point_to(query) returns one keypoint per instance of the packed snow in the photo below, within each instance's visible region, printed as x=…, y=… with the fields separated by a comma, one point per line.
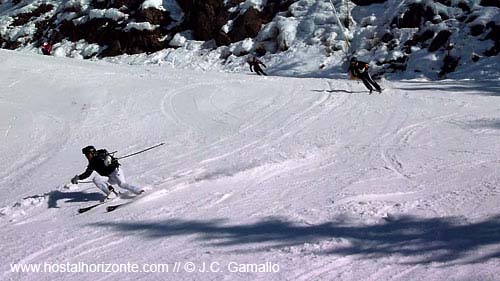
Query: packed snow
x=305, y=178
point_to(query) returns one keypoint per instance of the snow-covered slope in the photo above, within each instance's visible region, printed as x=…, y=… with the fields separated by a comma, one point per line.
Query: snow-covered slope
x=312, y=175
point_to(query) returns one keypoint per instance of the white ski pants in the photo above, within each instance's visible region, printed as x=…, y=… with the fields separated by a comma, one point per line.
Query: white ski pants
x=117, y=178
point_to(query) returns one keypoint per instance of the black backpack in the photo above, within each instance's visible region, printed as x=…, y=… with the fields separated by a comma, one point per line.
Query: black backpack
x=106, y=157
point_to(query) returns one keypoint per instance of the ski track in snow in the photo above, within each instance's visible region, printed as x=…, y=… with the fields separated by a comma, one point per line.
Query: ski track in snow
x=246, y=155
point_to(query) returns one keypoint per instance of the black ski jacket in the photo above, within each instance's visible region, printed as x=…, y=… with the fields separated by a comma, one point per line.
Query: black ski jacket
x=256, y=65
x=357, y=70
x=98, y=164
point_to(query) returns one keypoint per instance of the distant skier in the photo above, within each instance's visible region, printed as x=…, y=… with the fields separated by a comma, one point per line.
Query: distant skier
x=256, y=63
x=359, y=69
x=108, y=169
x=46, y=48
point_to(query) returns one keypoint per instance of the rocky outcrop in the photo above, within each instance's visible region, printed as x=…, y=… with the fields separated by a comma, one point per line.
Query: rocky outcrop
x=117, y=27
x=247, y=25
x=494, y=34
x=274, y=7
x=414, y=16
x=153, y=16
x=123, y=26
x=440, y=40
x=450, y=63
x=24, y=18
x=367, y=2
x=492, y=3
x=204, y=17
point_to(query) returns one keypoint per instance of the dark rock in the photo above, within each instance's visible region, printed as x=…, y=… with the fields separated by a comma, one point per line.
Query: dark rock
x=490, y=3
x=444, y=16
x=395, y=65
x=475, y=57
x=98, y=30
x=260, y=51
x=491, y=24
x=367, y=2
x=387, y=37
x=440, y=40
x=233, y=3
x=494, y=34
x=464, y=6
x=76, y=8
x=12, y=45
x=494, y=51
x=399, y=65
x=101, y=4
x=131, y=5
x=153, y=16
x=246, y=26
x=410, y=43
x=209, y=45
x=204, y=17
x=273, y=7
x=114, y=49
x=461, y=17
x=445, y=2
x=450, y=63
x=392, y=44
x=222, y=39
x=477, y=29
x=414, y=16
x=22, y=19
x=406, y=49
x=424, y=36
x=41, y=28
x=135, y=41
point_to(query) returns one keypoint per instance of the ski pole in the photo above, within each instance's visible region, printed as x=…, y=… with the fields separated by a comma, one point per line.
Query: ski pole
x=144, y=150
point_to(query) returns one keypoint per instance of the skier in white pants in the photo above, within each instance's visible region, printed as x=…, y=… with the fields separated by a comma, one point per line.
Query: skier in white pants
x=108, y=169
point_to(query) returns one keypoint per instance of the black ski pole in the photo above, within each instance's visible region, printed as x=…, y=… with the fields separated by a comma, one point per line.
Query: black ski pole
x=144, y=150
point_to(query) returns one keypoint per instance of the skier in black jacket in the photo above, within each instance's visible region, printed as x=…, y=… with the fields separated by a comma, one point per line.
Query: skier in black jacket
x=359, y=69
x=108, y=169
x=255, y=63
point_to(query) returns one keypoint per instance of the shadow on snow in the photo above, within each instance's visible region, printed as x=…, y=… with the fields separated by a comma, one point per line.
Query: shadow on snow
x=72, y=197
x=340, y=91
x=485, y=124
x=421, y=240
x=477, y=87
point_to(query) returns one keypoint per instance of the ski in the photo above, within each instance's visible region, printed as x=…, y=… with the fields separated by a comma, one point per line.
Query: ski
x=88, y=208
x=114, y=207
x=111, y=208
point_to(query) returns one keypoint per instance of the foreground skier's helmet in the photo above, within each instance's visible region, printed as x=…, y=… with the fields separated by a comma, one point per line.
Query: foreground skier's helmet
x=88, y=149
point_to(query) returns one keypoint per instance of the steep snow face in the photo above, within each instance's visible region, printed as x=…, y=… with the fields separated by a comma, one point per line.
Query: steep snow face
x=384, y=34
x=410, y=38
x=313, y=175
x=417, y=37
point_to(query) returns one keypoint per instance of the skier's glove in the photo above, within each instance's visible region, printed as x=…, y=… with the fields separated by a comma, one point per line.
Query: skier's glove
x=75, y=179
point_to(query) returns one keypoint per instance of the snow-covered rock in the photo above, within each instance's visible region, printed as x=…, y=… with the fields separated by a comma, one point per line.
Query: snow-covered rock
x=392, y=35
